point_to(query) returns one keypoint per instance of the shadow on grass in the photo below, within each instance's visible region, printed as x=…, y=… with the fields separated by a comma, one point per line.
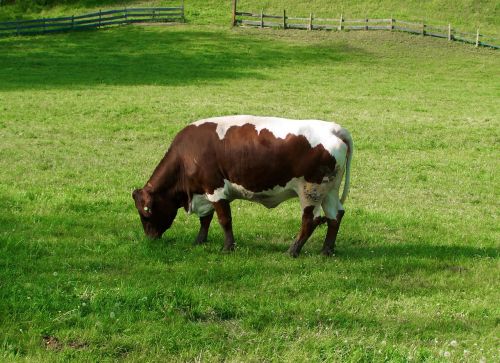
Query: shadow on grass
x=416, y=255
x=424, y=250
x=132, y=55
x=353, y=250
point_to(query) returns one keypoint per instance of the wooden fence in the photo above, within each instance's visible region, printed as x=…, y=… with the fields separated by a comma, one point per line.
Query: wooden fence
x=284, y=21
x=92, y=21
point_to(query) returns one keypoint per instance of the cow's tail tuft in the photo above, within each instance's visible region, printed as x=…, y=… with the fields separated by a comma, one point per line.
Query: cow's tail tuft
x=345, y=136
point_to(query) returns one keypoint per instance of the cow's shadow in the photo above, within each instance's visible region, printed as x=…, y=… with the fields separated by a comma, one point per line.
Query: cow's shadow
x=359, y=250
x=347, y=248
x=404, y=250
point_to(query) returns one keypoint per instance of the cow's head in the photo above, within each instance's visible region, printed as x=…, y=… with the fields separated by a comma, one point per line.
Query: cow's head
x=157, y=211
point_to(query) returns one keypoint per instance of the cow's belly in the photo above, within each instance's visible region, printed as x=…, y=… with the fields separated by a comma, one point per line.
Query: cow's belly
x=309, y=194
x=269, y=198
x=201, y=204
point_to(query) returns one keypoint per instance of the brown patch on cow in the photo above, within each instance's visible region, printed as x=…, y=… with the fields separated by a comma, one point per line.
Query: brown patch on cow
x=260, y=161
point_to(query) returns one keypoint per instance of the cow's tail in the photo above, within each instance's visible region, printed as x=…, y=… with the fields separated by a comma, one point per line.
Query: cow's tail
x=345, y=136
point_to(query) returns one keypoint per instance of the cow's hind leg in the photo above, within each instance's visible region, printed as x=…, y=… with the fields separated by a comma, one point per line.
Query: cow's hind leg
x=331, y=234
x=223, y=211
x=308, y=226
x=334, y=212
x=204, y=226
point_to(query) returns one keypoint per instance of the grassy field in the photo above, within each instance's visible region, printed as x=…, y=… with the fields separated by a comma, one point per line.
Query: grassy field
x=84, y=119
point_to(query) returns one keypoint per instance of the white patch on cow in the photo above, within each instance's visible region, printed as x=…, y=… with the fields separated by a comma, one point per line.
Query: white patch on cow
x=316, y=211
x=218, y=194
x=310, y=194
x=315, y=131
x=331, y=204
x=200, y=205
x=269, y=198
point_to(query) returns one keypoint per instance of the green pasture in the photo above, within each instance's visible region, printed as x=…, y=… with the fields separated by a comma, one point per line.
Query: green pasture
x=85, y=118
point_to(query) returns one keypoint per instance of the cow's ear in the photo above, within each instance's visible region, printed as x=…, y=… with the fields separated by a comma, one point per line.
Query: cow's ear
x=143, y=202
x=138, y=199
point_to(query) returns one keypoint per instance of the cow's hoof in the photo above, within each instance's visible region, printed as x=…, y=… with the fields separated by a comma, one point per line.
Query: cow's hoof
x=200, y=241
x=293, y=253
x=228, y=249
x=327, y=253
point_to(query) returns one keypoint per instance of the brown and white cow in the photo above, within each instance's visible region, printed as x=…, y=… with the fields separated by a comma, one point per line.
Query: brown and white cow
x=262, y=159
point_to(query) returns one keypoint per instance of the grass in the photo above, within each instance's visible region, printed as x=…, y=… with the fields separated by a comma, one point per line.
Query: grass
x=85, y=117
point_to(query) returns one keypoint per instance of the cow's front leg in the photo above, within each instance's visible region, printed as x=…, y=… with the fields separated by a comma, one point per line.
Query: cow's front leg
x=308, y=226
x=223, y=211
x=204, y=226
x=331, y=234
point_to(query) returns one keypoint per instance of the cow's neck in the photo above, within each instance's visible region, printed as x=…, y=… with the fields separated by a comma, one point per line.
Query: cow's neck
x=165, y=176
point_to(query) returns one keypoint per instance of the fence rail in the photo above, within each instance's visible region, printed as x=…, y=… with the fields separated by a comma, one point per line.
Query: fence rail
x=92, y=20
x=261, y=20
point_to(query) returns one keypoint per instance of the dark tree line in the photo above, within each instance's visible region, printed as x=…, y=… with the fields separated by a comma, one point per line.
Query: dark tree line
x=30, y=3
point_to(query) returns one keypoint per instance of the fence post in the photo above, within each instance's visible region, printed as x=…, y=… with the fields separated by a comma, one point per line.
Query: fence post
x=234, y=12
x=341, y=21
x=449, y=31
x=284, y=19
x=366, y=26
x=262, y=18
x=392, y=23
x=100, y=17
x=182, y=11
x=477, y=38
x=423, y=29
x=126, y=14
x=154, y=13
x=44, y=25
x=310, y=21
x=72, y=21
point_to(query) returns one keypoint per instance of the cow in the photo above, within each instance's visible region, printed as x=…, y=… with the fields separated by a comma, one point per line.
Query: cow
x=266, y=160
